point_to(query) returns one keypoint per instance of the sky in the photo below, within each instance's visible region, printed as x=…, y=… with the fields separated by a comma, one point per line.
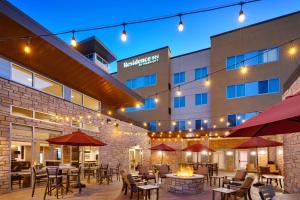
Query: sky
x=62, y=15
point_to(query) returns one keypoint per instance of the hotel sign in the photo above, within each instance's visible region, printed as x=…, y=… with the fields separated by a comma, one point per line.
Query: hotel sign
x=142, y=61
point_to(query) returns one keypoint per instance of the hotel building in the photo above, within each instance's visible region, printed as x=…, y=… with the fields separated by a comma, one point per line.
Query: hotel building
x=55, y=89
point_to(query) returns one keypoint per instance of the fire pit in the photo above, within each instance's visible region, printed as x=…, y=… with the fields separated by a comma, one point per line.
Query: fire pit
x=184, y=181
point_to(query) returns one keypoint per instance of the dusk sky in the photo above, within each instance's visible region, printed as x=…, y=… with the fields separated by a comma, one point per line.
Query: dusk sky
x=58, y=15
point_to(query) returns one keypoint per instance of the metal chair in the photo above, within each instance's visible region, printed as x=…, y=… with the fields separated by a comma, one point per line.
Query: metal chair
x=38, y=177
x=73, y=177
x=54, y=181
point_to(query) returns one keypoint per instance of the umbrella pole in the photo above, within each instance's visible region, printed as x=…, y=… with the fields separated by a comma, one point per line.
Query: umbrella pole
x=197, y=156
x=257, y=171
x=162, y=157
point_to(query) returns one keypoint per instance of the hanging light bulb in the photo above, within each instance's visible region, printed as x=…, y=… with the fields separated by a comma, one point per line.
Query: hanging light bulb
x=292, y=49
x=242, y=16
x=156, y=100
x=180, y=25
x=244, y=70
x=189, y=122
x=122, y=109
x=178, y=91
x=221, y=119
x=124, y=34
x=145, y=124
x=27, y=48
x=158, y=124
x=73, y=40
x=207, y=82
x=174, y=123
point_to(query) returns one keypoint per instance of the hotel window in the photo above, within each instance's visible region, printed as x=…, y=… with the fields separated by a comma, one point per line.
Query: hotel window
x=21, y=75
x=90, y=103
x=201, y=99
x=152, y=125
x=148, y=105
x=179, y=102
x=237, y=119
x=48, y=86
x=179, y=77
x=90, y=127
x=45, y=117
x=142, y=81
x=76, y=97
x=252, y=58
x=253, y=88
x=199, y=123
x=180, y=125
x=21, y=112
x=200, y=73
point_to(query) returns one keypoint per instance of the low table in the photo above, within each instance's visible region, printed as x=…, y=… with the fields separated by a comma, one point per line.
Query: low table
x=271, y=177
x=147, y=189
x=215, y=178
x=224, y=192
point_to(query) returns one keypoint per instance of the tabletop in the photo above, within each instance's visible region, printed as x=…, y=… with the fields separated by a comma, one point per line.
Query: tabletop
x=148, y=187
x=224, y=190
x=272, y=176
x=295, y=196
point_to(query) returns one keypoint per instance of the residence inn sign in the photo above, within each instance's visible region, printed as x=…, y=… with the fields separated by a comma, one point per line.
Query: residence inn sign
x=142, y=61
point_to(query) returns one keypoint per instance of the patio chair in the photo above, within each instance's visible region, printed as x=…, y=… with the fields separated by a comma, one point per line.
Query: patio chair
x=262, y=171
x=103, y=173
x=116, y=171
x=215, y=168
x=266, y=192
x=163, y=170
x=204, y=171
x=54, y=181
x=38, y=177
x=245, y=189
x=131, y=185
x=16, y=179
x=73, y=178
x=240, y=175
x=144, y=171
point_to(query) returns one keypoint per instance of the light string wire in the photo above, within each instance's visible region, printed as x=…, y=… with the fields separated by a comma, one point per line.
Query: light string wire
x=134, y=22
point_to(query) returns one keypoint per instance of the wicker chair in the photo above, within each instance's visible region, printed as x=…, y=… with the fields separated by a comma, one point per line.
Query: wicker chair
x=240, y=175
x=266, y=192
x=203, y=171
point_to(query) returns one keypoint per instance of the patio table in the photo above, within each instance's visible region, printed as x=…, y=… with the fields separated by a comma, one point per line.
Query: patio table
x=224, y=193
x=147, y=189
x=271, y=177
x=295, y=196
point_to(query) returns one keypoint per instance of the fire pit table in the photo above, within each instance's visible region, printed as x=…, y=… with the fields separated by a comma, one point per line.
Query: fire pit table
x=192, y=184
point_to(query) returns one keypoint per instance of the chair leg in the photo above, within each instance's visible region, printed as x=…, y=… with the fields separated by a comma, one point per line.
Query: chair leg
x=33, y=188
x=46, y=190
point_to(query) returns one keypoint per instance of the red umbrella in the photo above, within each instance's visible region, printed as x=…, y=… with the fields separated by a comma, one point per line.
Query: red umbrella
x=281, y=118
x=77, y=138
x=197, y=148
x=162, y=147
x=257, y=142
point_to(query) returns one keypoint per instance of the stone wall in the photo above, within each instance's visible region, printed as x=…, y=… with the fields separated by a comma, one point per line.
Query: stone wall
x=119, y=139
x=291, y=151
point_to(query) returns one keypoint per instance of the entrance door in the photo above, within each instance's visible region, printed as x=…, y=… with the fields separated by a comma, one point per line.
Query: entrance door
x=135, y=158
x=243, y=159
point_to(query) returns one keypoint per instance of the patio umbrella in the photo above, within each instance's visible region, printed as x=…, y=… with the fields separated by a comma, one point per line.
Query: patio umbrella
x=281, y=118
x=257, y=142
x=197, y=148
x=162, y=147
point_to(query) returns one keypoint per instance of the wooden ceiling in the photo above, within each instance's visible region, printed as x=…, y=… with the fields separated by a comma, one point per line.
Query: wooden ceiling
x=53, y=58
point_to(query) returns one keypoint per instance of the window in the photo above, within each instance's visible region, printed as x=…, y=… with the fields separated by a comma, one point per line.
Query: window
x=253, y=88
x=148, y=105
x=90, y=103
x=142, y=81
x=21, y=75
x=45, y=117
x=44, y=134
x=179, y=77
x=48, y=86
x=179, y=102
x=152, y=125
x=252, y=58
x=237, y=119
x=200, y=73
x=76, y=97
x=180, y=125
x=21, y=112
x=201, y=99
x=200, y=124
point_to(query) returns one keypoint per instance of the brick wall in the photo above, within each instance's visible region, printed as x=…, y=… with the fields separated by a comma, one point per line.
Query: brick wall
x=119, y=139
x=291, y=152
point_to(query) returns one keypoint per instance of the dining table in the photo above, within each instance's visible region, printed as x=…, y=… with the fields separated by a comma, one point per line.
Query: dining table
x=294, y=196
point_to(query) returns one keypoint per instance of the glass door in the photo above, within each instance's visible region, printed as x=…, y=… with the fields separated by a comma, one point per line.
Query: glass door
x=135, y=158
x=243, y=159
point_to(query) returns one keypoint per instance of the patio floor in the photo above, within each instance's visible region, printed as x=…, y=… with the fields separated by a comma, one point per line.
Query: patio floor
x=113, y=192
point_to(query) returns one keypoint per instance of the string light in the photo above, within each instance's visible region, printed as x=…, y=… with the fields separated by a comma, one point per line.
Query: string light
x=156, y=100
x=109, y=112
x=73, y=40
x=221, y=119
x=180, y=25
x=124, y=34
x=178, y=91
x=189, y=122
x=174, y=123
x=158, y=124
x=244, y=70
x=242, y=16
x=122, y=109
x=27, y=48
x=145, y=124
x=207, y=82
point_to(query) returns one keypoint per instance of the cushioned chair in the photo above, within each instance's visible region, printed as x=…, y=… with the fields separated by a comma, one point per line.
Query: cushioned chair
x=266, y=192
x=204, y=171
x=163, y=170
x=240, y=175
x=144, y=171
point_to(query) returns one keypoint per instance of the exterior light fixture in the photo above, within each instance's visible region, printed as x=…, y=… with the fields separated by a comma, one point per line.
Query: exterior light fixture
x=178, y=91
x=292, y=49
x=244, y=70
x=27, y=48
x=207, y=82
x=189, y=122
x=156, y=100
x=124, y=34
x=180, y=25
x=174, y=123
x=73, y=40
x=145, y=124
x=158, y=124
x=122, y=109
x=242, y=16
x=221, y=119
